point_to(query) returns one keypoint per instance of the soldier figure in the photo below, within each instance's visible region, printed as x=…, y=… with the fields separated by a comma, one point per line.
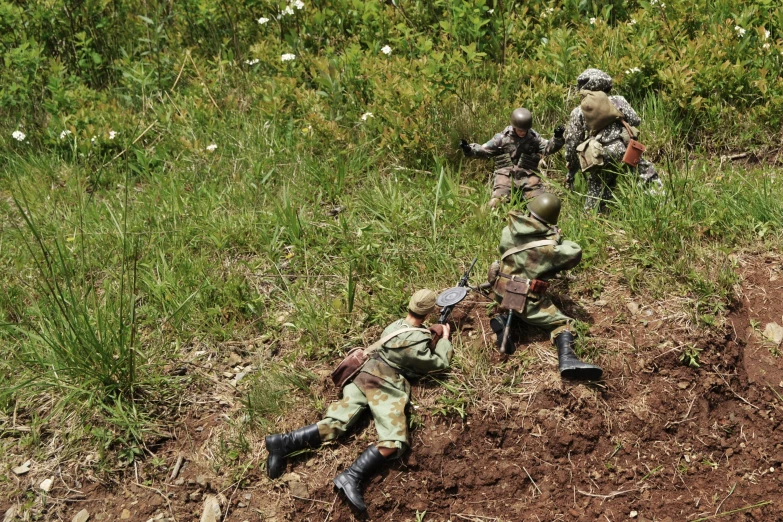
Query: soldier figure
x=532, y=252
x=614, y=140
x=382, y=385
x=517, y=150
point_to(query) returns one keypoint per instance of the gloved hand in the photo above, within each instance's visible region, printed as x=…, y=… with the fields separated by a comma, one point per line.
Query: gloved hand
x=559, y=131
x=463, y=144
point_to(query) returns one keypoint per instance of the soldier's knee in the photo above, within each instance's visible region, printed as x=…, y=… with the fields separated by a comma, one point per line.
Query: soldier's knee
x=399, y=446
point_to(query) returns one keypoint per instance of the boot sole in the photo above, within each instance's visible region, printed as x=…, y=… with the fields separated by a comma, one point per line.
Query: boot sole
x=582, y=374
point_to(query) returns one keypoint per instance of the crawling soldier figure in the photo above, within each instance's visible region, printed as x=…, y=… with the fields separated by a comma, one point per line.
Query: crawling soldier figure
x=382, y=385
x=532, y=251
x=517, y=150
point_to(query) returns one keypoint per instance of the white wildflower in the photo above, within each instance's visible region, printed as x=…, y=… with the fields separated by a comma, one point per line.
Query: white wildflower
x=112, y=134
x=253, y=61
x=386, y=49
x=766, y=34
x=740, y=31
x=288, y=10
x=592, y=21
x=287, y=57
x=653, y=2
x=211, y=147
x=491, y=11
x=263, y=20
x=298, y=4
x=64, y=133
x=18, y=135
x=632, y=21
x=663, y=6
x=766, y=45
x=550, y=10
x=367, y=115
x=93, y=139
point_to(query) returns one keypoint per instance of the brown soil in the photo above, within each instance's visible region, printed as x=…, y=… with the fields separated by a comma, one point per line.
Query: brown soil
x=655, y=441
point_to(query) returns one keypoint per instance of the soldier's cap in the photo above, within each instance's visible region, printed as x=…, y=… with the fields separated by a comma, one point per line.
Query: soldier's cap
x=423, y=302
x=594, y=80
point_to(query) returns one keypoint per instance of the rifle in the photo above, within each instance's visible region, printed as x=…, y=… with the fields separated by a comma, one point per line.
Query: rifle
x=449, y=298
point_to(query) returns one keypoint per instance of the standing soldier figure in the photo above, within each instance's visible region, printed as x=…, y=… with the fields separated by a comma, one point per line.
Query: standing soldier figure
x=532, y=251
x=382, y=385
x=608, y=144
x=517, y=149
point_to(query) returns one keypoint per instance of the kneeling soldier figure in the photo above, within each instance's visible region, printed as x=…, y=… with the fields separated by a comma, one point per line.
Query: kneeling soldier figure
x=532, y=252
x=517, y=149
x=382, y=385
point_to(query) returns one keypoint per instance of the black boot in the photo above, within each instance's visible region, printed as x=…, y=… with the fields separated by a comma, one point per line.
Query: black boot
x=570, y=365
x=349, y=481
x=279, y=446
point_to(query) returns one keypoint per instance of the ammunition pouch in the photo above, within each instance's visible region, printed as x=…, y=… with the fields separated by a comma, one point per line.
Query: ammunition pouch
x=503, y=161
x=634, y=149
x=529, y=161
x=591, y=154
x=513, y=291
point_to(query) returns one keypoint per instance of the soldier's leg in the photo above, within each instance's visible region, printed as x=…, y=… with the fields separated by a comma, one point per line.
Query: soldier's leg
x=343, y=414
x=530, y=186
x=541, y=311
x=387, y=403
x=501, y=187
x=595, y=190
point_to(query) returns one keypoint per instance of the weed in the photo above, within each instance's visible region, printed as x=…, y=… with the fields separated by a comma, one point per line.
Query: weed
x=690, y=357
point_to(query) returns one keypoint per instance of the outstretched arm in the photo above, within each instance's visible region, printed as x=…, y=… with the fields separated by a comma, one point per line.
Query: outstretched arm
x=491, y=148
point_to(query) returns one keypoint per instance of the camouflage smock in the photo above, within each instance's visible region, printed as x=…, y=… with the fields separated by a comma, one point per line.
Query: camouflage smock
x=382, y=386
x=541, y=262
x=524, y=152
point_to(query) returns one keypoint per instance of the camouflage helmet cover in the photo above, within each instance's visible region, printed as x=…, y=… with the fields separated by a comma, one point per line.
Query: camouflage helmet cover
x=545, y=208
x=522, y=119
x=594, y=80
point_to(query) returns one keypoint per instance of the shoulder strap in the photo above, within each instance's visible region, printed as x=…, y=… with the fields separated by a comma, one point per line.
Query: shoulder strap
x=374, y=346
x=528, y=246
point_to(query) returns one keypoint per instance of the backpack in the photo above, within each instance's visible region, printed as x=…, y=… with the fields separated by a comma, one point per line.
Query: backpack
x=598, y=110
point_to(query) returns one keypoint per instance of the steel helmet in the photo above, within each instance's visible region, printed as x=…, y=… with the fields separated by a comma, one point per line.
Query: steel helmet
x=522, y=119
x=545, y=207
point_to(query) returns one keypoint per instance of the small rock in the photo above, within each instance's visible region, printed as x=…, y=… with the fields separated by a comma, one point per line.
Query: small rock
x=100, y=516
x=125, y=515
x=729, y=452
x=179, y=482
x=298, y=489
x=683, y=384
x=774, y=332
x=632, y=307
x=22, y=469
x=195, y=496
x=234, y=359
x=46, y=485
x=248, y=496
x=201, y=480
x=81, y=516
x=601, y=302
x=228, y=375
x=633, y=514
x=241, y=505
x=211, y=512
x=291, y=477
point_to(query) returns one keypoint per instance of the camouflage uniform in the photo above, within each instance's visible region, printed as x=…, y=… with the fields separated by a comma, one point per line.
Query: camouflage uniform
x=516, y=158
x=382, y=385
x=602, y=180
x=541, y=263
